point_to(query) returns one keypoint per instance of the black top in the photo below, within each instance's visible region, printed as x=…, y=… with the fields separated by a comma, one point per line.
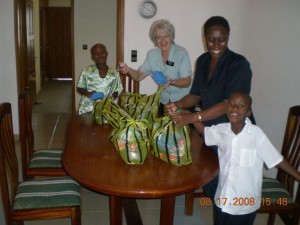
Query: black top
x=232, y=74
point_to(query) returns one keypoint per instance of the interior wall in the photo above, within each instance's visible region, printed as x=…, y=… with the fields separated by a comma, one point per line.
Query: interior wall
x=8, y=77
x=59, y=3
x=94, y=22
x=264, y=31
x=36, y=30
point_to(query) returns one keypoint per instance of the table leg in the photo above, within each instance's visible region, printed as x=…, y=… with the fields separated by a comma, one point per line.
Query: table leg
x=167, y=210
x=189, y=203
x=115, y=210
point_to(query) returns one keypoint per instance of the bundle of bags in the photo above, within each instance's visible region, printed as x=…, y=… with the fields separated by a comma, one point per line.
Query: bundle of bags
x=136, y=128
x=130, y=137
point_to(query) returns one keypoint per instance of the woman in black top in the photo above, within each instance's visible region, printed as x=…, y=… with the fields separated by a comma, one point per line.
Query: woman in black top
x=219, y=73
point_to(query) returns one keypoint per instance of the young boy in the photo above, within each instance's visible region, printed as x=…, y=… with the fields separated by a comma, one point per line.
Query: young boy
x=243, y=148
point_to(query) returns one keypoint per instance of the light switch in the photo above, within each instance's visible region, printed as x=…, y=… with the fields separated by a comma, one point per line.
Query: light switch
x=133, y=55
x=84, y=47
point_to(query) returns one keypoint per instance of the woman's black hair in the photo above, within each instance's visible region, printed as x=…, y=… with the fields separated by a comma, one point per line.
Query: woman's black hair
x=216, y=21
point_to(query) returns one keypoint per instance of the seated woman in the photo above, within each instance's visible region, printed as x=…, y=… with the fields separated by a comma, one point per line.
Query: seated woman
x=97, y=78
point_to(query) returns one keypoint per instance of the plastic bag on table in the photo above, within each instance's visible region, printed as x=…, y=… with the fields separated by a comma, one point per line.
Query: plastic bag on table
x=102, y=100
x=130, y=137
x=141, y=106
x=99, y=106
x=170, y=143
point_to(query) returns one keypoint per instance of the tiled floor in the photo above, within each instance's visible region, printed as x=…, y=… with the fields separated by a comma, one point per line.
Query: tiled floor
x=50, y=119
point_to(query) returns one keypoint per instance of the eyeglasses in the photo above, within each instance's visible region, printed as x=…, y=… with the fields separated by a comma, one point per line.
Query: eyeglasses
x=159, y=38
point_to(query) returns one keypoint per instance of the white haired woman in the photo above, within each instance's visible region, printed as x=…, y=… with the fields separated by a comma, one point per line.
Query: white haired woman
x=167, y=57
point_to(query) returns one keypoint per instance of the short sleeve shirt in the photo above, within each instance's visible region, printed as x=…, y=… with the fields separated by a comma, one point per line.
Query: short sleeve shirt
x=91, y=81
x=241, y=159
x=232, y=74
x=179, y=66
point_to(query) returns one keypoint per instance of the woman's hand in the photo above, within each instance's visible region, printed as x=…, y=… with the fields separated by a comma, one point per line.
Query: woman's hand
x=182, y=118
x=168, y=83
x=123, y=68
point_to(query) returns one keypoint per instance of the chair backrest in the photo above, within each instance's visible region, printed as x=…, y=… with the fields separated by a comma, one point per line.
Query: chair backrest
x=8, y=159
x=26, y=131
x=130, y=85
x=291, y=150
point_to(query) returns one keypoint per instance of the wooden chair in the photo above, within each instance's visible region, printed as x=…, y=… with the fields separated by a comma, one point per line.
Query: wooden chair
x=35, y=162
x=279, y=195
x=37, y=198
x=129, y=85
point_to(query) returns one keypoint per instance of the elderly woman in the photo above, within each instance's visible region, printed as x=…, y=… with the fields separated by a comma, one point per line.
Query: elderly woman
x=168, y=58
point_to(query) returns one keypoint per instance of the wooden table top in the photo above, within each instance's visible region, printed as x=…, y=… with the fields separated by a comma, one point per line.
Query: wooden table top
x=91, y=159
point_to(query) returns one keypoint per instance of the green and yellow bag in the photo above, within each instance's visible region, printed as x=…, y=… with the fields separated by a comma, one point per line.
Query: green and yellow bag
x=99, y=106
x=141, y=106
x=170, y=143
x=130, y=137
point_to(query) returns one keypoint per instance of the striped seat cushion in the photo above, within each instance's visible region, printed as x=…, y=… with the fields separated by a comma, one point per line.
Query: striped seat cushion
x=275, y=191
x=47, y=193
x=46, y=158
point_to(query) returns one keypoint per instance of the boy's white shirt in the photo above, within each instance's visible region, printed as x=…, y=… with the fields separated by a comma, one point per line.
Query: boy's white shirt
x=241, y=159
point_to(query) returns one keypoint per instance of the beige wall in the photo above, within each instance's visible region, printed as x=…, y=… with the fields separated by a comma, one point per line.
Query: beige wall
x=36, y=30
x=8, y=78
x=59, y=3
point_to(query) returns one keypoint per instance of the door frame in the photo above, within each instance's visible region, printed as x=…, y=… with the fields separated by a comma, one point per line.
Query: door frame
x=20, y=42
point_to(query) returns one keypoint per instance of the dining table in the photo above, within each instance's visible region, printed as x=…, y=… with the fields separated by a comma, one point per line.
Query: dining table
x=89, y=156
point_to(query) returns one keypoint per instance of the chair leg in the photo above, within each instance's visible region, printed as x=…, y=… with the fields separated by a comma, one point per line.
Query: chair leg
x=290, y=219
x=189, y=203
x=214, y=214
x=76, y=216
x=296, y=219
x=271, y=219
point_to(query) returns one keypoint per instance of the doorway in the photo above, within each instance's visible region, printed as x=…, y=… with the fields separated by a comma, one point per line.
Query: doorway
x=58, y=49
